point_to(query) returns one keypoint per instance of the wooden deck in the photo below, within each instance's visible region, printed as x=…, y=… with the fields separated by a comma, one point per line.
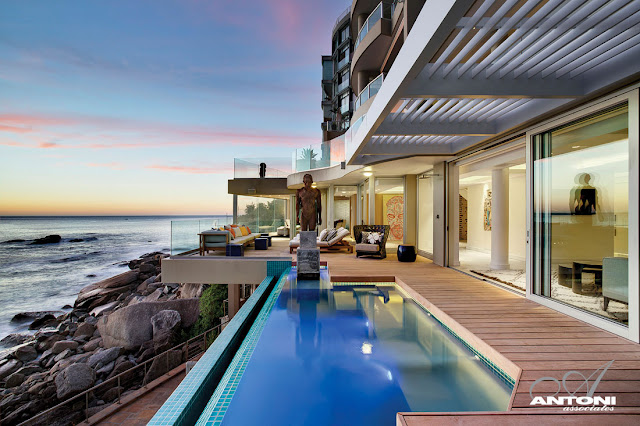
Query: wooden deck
x=539, y=341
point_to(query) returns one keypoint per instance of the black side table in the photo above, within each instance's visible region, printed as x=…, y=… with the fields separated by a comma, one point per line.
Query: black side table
x=268, y=237
x=406, y=253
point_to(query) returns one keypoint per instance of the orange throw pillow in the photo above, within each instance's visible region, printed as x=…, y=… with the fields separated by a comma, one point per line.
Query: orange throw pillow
x=232, y=232
x=249, y=230
x=244, y=231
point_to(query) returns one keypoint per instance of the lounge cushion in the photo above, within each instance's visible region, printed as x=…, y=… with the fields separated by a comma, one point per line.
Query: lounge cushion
x=373, y=248
x=340, y=235
x=331, y=234
x=323, y=235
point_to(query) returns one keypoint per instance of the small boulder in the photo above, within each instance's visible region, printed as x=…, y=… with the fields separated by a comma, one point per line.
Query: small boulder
x=62, y=355
x=63, y=345
x=30, y=316
x=160, y=364
x=26, y=353
x=153, y=296
x=85, y=329
x=102, y=358
x=29, y=370
x=73, y=379
x=92, y=345
x=107, y=368
x=44, y=321
x=147, y=268
x=14, y=380
x=16, y=339
x=49, y=239
x=165, y=324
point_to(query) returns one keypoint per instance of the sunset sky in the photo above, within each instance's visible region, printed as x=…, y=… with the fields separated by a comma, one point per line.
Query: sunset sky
x=139, y=107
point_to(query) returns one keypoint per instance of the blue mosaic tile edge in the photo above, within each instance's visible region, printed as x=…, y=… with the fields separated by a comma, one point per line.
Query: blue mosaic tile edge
x=215, y=410
x=179, y=405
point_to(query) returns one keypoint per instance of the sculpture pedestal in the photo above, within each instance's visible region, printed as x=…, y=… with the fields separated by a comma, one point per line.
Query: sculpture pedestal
x=308, y=256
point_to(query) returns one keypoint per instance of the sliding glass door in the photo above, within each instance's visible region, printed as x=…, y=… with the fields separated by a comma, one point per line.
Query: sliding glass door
x=580, y=194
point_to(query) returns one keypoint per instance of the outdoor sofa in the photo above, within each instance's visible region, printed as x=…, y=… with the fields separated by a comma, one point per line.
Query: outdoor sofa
x=334, y=244
x=217, y=239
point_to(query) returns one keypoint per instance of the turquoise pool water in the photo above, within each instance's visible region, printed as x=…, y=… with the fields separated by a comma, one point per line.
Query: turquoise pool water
x=323, y=354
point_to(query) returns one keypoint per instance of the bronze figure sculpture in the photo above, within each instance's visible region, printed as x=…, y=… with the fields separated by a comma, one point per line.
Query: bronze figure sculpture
x=309, y=202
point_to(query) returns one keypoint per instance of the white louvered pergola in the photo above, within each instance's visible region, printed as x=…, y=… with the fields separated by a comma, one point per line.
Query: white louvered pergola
x=470, y=70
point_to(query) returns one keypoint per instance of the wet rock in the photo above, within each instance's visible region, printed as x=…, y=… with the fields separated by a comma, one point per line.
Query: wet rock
x=48, y=342
x=90, y=319
x=130, y=327
x=31, y=316
x=74, y=379
x=153, y=296
x=67, y=307
x=18, y=240
x=85, y=329
x=37, y=388
x=46, y=321
x=49, y=239
x=21, y=413
x=28, y=370
x=76, y=240
x=104, y=357
x=16, y=339
x=25, y=353
x=14, y=380
x=63, y=345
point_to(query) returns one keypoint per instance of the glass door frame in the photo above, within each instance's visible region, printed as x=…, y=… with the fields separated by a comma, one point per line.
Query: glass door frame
x=631, y=97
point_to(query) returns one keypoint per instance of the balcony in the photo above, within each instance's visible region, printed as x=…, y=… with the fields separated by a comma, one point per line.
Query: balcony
x=343, y=63
x=335, y=126
x=368, y=92
x=343, y=86
x=344, y=108
x=331, y=153
x=382, y=11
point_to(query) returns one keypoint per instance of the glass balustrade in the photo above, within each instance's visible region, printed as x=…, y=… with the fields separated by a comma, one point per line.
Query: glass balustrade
x=247, y=168
x=184, y=233
x=317, y=156
x=342, y=86
x=382, y=11
x=343, y=62
x=369, y=91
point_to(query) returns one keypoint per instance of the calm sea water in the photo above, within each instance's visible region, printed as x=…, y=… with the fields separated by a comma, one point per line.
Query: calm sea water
x=47, y=277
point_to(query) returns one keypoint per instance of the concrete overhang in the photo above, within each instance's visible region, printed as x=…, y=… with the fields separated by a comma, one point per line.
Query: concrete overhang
x=256, y=187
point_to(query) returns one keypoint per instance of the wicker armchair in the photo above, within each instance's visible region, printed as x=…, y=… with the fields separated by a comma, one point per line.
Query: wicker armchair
x=364, y=249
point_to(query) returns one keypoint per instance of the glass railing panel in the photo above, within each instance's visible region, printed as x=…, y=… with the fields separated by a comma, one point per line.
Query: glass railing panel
x=383, y=10
x=276, y=167
x=317, y=156
x=342, y=86
x=261, y=214
x=371, y=90
x=184, y=233
x=343, y=62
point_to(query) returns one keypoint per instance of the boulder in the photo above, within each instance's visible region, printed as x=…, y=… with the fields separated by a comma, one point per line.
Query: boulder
x=85, y=329
x=102, y=290
x=63, y=345
x=46, y=320
x=14, y=380
x=153, y=296
x=73, y=379
x=130, y=327
x=104, y=308
x=160, y=364
x=26, y=353
x=31, y=316
x=49, y=239
x=16, y=339
x=29, y=370
x=62, y=355
x=189, y=290
x=104, y=357
x=165, y=324
x=112, y=393
x=147, y=268
x=107, y=368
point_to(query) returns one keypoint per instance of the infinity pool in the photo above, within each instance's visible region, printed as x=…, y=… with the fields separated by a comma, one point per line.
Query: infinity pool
x=350, y=353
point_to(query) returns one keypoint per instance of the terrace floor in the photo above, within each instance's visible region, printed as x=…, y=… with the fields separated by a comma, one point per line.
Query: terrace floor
x=538, y=340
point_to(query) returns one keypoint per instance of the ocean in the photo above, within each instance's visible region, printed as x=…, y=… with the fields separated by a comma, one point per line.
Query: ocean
x=49, y=276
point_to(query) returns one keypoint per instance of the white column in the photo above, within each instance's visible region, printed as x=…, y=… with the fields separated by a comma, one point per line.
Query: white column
x=372, y=201
x=330, y=206
x=454, y=216
x=500, y=219
x=235, y=208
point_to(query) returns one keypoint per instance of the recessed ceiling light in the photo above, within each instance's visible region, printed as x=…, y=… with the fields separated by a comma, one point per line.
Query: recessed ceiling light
x=576, y=146
x=367, y=174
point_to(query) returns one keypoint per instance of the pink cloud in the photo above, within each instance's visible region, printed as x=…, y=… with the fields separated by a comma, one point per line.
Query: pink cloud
x=212, y=170
x=91, y=132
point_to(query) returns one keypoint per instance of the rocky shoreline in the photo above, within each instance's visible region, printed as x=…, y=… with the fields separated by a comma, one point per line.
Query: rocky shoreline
x=114, y=325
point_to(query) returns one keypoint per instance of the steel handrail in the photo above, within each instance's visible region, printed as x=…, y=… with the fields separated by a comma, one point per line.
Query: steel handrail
x=85, y=394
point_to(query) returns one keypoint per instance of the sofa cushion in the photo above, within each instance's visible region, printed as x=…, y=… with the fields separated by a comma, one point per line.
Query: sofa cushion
x=340, y=235
x=373, y=248
x=323, y=235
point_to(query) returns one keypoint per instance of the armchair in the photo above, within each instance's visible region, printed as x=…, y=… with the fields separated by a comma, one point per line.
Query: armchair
x=363, y=248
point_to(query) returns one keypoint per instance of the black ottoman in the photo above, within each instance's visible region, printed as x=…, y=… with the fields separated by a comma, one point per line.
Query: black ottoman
x=235, y=250
x=406, y=253
x=261, y=243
